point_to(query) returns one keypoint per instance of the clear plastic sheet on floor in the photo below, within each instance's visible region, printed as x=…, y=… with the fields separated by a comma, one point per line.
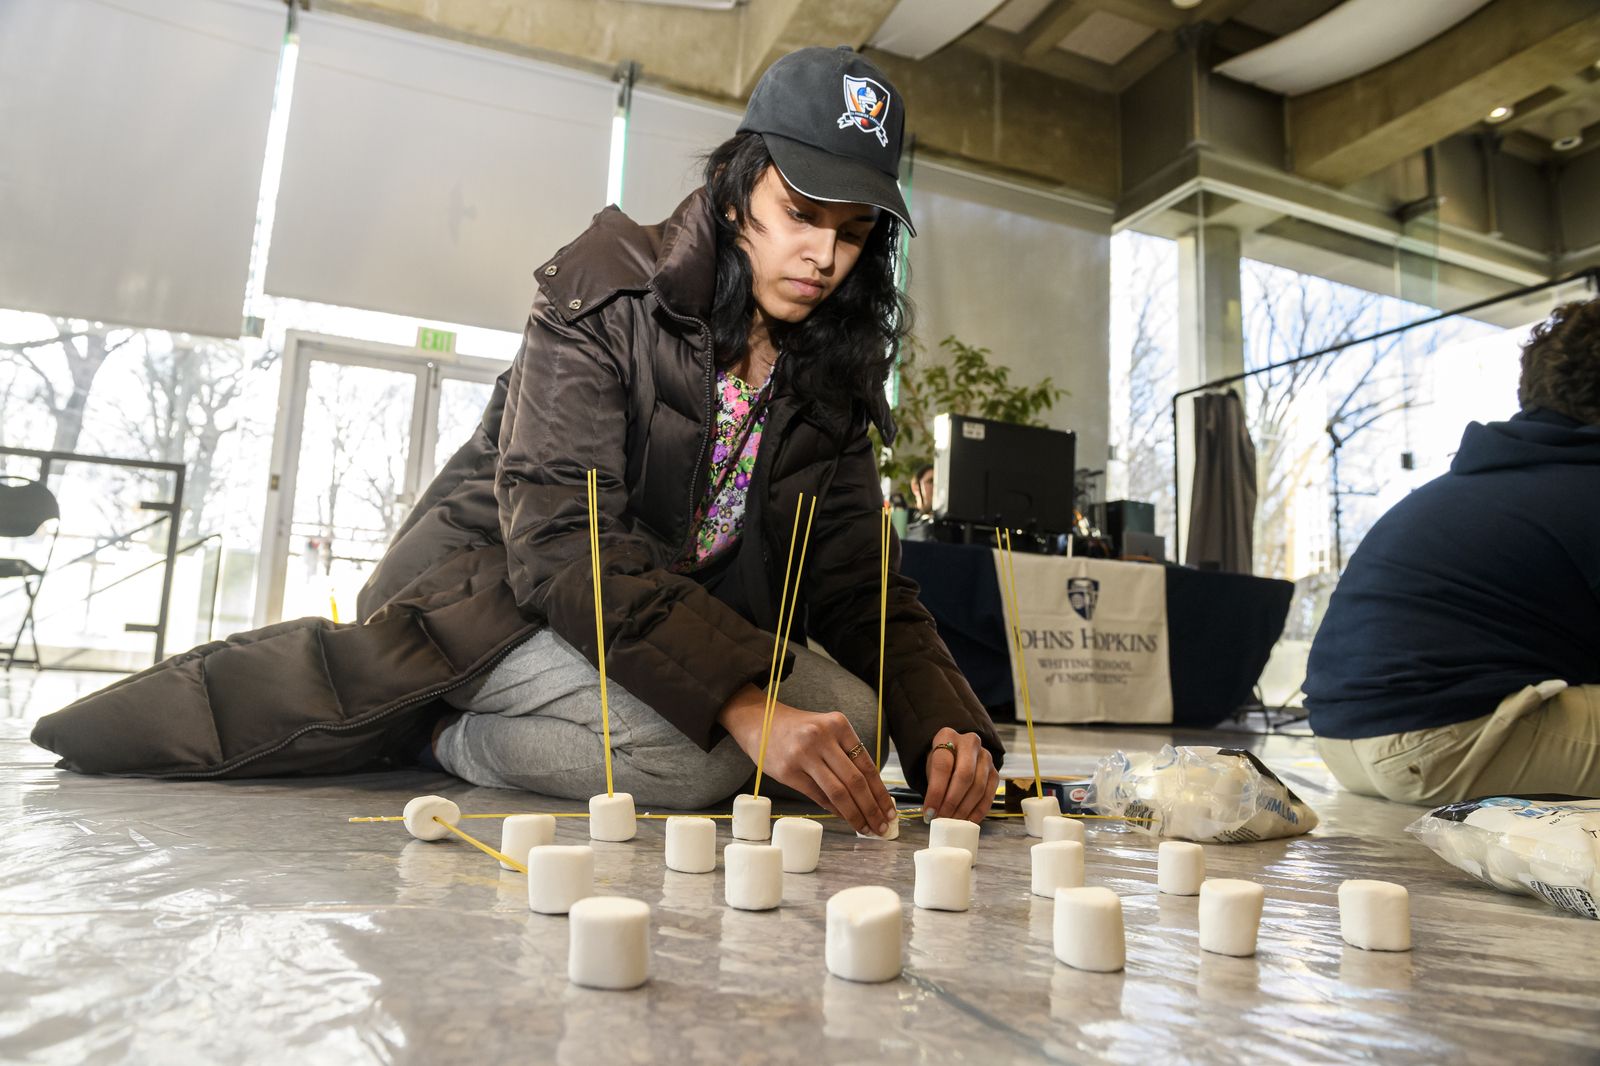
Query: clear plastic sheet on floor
x=146, y=921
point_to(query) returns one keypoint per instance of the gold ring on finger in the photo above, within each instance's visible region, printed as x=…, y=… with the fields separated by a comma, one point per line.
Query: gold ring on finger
x=855, y=751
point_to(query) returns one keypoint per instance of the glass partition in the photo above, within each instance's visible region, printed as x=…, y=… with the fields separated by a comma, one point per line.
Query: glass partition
x=1213, y=286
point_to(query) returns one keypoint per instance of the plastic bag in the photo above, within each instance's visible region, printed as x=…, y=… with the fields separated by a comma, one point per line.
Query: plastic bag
x=1205, y=794
x=1543, y=846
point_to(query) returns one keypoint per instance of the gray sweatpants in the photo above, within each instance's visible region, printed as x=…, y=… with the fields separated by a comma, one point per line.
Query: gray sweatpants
x=534, y=724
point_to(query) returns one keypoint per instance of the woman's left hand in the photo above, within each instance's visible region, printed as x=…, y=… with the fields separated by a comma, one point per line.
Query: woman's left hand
x=961, y=783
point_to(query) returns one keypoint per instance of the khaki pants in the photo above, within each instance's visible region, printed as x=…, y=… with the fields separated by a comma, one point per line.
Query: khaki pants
x=1539, y=740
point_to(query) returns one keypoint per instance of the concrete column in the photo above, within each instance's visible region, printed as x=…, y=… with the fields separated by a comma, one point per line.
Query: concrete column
x=1210, y=337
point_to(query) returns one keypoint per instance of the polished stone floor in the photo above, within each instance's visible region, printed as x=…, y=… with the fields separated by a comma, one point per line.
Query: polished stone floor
x=154, y=922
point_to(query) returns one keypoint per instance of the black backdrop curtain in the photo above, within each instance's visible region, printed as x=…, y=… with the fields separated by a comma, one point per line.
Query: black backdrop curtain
x=1223, y=500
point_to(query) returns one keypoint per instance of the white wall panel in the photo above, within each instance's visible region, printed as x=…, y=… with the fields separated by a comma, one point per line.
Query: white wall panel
x=667, y=136
x=428, y=178
x=1025, y=275
x=132, y=134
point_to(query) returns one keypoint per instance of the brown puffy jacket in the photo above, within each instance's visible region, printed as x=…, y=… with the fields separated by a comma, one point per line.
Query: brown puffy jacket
x=615, y=374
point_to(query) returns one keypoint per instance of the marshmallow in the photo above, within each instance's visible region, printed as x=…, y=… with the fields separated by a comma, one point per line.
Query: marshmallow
x=521, y=833
x=1034, y=811
x=1088, y=927
x=691, y=845
x=609, y=943
x=559, y=876
x=865, y=934
x=1375, y=915
x=1059, y=827
x=752, y=818
x=954, y=833
x=944, y=879
x=1056, y=864
x=1180, y=867
x=1230, y=914
x=892, y=834
x=800, y=840
x=753, y=876
x=1508, y=860
x=611, y=817
x=421, y=812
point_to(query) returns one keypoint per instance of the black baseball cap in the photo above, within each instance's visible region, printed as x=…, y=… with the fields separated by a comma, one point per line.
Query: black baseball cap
x=833, y=124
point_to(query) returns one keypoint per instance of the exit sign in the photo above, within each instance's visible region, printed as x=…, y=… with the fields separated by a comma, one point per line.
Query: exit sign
x=435, y=340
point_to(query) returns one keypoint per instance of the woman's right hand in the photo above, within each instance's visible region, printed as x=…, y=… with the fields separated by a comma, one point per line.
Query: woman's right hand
x=809, y=752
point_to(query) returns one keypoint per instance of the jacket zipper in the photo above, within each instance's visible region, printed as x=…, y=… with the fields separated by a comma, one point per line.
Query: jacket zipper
x=705, y=435
x=370, y=720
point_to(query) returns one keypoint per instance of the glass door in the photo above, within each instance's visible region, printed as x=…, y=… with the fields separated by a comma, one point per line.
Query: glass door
x=362, y=429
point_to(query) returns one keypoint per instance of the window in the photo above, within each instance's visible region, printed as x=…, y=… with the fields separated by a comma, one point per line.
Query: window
x=1144, y=373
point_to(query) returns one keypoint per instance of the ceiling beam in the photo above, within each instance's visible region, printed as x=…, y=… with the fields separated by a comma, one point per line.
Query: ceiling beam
x=1150, y=54
x=696, y=51
x=1506, y=50
x=773, y=29
x=1215, y=12
x=1010, y=117
x=1157, y=14
x=1546, y=103
x=1051, y=25
x=1068, y=66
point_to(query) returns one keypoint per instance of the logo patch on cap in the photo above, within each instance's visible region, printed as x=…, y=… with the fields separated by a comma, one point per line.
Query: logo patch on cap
x=866, y=105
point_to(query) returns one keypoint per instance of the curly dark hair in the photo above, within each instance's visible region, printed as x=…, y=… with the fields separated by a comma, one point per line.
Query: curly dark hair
x=844, y=349
x=1561, y=363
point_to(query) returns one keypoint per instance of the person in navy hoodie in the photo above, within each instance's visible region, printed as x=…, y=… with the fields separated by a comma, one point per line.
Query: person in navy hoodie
x=1460, y=654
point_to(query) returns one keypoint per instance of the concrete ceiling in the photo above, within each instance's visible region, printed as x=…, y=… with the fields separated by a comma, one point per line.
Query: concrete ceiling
x=1045, y=90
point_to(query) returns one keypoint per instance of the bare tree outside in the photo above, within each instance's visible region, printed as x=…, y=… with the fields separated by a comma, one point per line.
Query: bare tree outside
x=192, y=391
x=56, y=372
x=1331, y=434
x=350, y=490
x=1144, y=369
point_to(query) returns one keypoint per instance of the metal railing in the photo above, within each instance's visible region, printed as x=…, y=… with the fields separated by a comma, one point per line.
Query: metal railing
x=170, y=510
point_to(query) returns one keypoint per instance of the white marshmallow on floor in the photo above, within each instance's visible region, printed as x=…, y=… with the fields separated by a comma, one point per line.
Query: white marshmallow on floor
x=1230, y=916
x=1087, y=933
x=944, y=879
x=800, y=840
x=691, y=844
x=1060, y=827
x=892, y=834
x=753, y=876
x=521, y=833
x=954, y=833
x=752, y=818
x=559, y=875
x=1375, y=915
x=611, y=817
x=865, y=934
x=421, y=812
x=1180, y=867
x=1057, y=864
x=1034, y=811
x=608, y=945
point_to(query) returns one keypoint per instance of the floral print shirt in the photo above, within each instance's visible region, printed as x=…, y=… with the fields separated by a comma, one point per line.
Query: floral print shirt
x=722, y=520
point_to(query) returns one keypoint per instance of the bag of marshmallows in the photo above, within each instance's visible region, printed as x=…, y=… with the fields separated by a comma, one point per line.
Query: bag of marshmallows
x=1544, y=846
x=1205, y=794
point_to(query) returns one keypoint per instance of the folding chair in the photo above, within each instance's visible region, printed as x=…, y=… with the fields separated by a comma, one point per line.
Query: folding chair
x=25, y=506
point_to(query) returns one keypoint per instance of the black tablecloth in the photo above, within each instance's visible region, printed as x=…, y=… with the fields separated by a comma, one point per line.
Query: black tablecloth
x=1220, y=627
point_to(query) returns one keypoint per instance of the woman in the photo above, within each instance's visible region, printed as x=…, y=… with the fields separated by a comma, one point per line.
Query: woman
x=712, y=369
x=803, y=318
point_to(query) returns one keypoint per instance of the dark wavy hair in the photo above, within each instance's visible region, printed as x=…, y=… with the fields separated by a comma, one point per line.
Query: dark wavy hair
x=1561, y=363
x=844, y=349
